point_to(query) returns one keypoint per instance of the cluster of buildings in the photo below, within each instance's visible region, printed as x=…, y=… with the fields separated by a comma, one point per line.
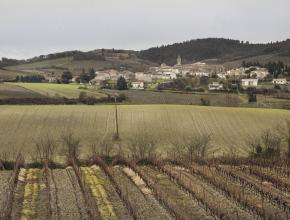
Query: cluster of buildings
x=162, y=73
x=249, y=77
x=250, y=72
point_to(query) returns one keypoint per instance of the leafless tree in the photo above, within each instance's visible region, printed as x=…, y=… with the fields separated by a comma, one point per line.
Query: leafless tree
x=254, y=145
x=284, y=131
x=45, y=148
x=71, y=145
x=271, y=143
x=142, y=145
x=103, y=147
x=190, y=147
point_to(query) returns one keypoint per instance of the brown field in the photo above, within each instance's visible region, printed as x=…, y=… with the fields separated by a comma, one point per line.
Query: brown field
x=15, y=91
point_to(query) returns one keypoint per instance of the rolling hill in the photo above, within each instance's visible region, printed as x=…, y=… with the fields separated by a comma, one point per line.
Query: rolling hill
x=219, y=50
x=76, y=62
x=228, y=52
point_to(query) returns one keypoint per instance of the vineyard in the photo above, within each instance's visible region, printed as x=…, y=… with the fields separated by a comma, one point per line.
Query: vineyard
x=122, y=189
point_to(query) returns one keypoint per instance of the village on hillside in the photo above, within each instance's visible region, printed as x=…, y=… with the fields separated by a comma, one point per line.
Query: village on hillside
x=197, y=76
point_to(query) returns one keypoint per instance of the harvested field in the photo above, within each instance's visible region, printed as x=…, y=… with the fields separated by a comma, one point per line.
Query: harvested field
x=15, y=91
x=220, y=204
x=250, y=196
x=266, y=189
x=142, y=201
x=66, y=197
x=177, y=199
x=30, y=196
x=107, y=200
x=160, y=191
x=4, y=179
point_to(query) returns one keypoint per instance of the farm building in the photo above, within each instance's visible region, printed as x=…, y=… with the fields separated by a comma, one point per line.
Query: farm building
x=279, y=81
x=250, y=82
x=215, y=86
x=137, y=85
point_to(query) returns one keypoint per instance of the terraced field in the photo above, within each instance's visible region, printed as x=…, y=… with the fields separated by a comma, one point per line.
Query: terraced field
x=131, y=191
x=230, y=127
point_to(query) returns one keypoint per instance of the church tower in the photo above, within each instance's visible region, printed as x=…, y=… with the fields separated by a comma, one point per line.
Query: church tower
x=179, y=60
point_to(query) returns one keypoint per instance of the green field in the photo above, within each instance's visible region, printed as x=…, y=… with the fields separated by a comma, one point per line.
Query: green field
x=230, y=127
x=60, y=90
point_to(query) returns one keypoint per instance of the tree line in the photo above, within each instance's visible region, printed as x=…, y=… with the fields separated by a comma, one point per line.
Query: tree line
x=210, y=48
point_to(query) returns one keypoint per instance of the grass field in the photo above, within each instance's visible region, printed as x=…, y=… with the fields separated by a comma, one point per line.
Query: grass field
x=60, y=90
x=230, y=127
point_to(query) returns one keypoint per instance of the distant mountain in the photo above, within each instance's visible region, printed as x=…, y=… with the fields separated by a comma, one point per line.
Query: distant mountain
x=218, y=50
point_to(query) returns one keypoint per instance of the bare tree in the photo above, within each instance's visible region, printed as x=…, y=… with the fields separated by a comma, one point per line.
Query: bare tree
x=71, y=146
x=284, y=131
x=142, y=145
x=45, y=148
x=254, y=145
x=102, y=147
x=271, y=143
x=190, y=147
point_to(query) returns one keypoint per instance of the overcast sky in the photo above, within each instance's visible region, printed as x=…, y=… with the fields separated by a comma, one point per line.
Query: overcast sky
x=34, y=27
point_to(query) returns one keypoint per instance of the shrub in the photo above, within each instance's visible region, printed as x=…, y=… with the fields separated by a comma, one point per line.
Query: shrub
x=205, y=102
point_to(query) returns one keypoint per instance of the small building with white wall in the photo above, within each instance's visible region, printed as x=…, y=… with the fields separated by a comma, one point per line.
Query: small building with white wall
x=250, y=82
x=215, y=86
x=279, y=81
x=137, y=85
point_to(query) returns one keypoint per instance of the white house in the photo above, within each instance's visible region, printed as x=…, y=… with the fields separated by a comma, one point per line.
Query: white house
x=143, y=77
x=201, y=74
x=221, y=76
x=236, y=72
x=250, y=82
x=137, y=85
x=215, y=86
x=279, y=81
x=169, y=75
x=260, y=73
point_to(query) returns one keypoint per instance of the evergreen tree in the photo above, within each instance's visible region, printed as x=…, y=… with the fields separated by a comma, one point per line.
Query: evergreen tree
x=92, y=74
x=66, y=77
x=122, y=84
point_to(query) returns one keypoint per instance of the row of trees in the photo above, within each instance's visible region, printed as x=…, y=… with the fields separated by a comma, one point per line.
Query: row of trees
x=31, y=79
x=269, y=143
x=142, y=145
x=84, y=77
